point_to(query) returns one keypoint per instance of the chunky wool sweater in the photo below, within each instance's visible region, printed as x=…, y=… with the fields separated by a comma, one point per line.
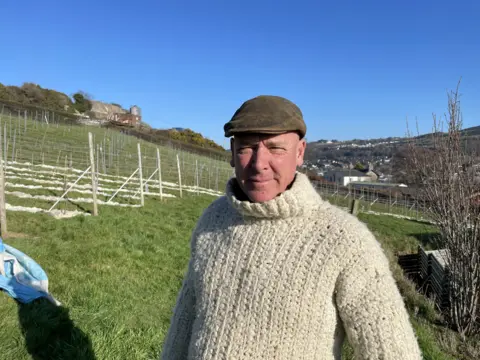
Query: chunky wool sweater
x=286, y=279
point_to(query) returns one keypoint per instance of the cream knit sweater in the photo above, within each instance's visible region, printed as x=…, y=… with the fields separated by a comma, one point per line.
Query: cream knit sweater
x=287, y=279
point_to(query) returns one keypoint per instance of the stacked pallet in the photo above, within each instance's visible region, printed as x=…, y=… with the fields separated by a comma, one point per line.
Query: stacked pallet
x=410, y=264
x=424, y=258
x=434, y=272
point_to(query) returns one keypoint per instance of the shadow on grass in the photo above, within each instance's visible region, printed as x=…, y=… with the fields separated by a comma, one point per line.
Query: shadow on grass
x=428, y=240
x=51, y=334
x=70, y=201
x=80, y=207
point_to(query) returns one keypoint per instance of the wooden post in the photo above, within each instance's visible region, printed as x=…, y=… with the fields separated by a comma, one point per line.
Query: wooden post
x=58, y=161
x=100, y=156
x=390, y=201
x=179, y=175
x=98, y=159
x=5, y=143
x=209, y=173
x=110, y=152
x=13, y=147
x=159, y=167
x=65, y=177
x=104, y=156
x=92, y=171
x=3, y=210
x=354, y=206
x=183, y=164
x=140, y=175
x=196, y=175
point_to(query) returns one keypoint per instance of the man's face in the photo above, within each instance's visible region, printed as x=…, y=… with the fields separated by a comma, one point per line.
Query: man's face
x=265, y=165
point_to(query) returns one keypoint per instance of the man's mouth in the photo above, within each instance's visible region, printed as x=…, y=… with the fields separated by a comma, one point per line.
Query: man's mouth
x=259, y=180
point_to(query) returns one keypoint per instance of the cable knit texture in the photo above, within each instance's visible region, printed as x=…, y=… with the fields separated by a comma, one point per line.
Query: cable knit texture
x=287, y=279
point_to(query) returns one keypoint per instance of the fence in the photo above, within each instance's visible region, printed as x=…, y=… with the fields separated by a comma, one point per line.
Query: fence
x=48, y=168
x=24, y=113
x=390, y=201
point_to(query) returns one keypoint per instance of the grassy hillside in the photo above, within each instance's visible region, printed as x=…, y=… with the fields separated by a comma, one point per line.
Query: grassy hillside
x=436, y=340
x=44, y=160
x=118, y=274
x=33, y=101
x=385, y=154
x=117, y=153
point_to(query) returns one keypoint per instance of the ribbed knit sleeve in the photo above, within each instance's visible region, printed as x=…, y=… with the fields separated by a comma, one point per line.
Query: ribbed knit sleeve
x=180, y=331
x=370, y=305
x=178, y=337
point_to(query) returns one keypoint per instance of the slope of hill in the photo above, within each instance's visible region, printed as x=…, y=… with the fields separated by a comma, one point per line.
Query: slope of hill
x=44, y=160
x=31, y=99
x=381, y=153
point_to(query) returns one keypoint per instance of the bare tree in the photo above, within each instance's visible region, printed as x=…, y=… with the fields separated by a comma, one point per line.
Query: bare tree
x=445, y=169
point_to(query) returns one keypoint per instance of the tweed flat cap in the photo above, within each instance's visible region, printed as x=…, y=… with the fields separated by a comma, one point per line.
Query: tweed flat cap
x=266, y=114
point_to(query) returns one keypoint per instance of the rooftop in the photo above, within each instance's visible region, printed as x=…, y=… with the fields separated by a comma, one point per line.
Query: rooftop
x=349, y=172
x=366, y=183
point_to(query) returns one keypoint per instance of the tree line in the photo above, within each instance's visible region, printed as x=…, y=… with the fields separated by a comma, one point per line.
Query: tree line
x=30, y=94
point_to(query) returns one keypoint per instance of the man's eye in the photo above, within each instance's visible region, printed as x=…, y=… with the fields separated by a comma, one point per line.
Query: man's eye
x=243, y=150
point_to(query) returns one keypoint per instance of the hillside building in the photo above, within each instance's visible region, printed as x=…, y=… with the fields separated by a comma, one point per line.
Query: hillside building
x=104, y=111
x=344, y=177
x=115, y=114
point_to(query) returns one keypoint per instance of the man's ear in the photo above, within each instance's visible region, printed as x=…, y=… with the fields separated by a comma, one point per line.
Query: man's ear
x=232, y=152
x=301, y=146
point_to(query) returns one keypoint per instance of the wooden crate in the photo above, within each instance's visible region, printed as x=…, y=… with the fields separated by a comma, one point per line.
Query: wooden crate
x=424, y=258
x=410, y=264
x=439, y=277
x=434, y=272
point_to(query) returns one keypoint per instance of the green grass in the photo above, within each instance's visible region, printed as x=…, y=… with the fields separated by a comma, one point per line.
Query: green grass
x=403, y=236
x=366, y=206
x=118, y=275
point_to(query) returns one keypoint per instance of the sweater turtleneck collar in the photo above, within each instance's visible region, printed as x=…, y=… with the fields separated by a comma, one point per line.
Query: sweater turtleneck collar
x=299, y=199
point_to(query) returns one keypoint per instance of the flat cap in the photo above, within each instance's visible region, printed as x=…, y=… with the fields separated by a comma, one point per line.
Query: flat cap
x=266, y=114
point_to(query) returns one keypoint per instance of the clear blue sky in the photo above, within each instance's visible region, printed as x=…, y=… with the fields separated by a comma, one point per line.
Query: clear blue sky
x=355, y=68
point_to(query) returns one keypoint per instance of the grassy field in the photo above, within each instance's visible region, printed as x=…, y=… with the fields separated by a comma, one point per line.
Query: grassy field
x=118, y=274
x=367, y=206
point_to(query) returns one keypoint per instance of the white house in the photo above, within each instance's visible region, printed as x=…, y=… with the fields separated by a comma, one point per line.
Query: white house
x=345, y=176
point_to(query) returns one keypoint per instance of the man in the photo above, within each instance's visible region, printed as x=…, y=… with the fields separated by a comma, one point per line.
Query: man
x=275, y=271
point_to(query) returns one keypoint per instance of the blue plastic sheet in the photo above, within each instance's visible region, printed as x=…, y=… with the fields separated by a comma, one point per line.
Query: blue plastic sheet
x=20, y=276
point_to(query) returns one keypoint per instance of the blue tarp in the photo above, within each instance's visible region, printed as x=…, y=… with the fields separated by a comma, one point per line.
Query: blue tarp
x=21, y=277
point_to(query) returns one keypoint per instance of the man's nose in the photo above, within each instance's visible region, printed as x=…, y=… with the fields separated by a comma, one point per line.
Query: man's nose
x=260, y=158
